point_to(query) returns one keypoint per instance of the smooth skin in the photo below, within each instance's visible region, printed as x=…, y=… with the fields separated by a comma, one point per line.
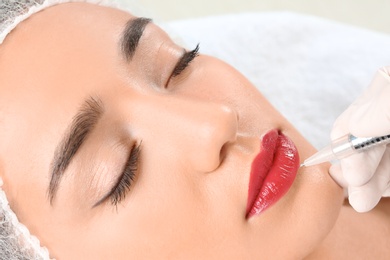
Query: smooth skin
x=199, y=133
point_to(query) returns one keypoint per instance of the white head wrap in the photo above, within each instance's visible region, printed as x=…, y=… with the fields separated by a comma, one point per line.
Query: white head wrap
x=15, y=239
x=12, y=12
x=16, y=242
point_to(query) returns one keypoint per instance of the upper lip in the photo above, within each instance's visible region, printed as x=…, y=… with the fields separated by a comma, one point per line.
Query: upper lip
x=272, y=173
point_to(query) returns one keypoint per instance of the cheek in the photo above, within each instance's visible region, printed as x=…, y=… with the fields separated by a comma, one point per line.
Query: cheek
x=162, y=210
x=214, y=80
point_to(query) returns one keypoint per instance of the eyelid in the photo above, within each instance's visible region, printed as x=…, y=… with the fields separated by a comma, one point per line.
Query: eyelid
x=122, y=186
x=183, y=62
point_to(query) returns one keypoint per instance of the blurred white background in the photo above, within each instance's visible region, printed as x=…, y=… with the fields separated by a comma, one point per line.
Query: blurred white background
x=370, y=14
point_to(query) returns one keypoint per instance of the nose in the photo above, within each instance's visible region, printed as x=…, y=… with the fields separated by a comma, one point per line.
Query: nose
x=199, y=131
x=213, y=129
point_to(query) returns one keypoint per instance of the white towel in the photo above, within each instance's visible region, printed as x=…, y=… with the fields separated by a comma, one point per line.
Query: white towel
x=309, y=68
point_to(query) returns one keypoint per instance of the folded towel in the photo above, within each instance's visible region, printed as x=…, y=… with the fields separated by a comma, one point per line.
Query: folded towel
x=309, y=68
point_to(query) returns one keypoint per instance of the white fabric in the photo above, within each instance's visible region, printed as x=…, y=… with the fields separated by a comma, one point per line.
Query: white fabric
x=310, y=68
x=366, y=175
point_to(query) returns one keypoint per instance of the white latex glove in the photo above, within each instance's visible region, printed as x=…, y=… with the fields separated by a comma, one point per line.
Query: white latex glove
x=366, y=175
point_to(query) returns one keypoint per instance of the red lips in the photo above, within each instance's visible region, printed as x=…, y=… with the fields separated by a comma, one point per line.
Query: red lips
x=273, y=172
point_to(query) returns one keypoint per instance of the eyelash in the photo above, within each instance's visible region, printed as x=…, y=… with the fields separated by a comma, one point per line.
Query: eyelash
x=120, y=190
x=184, y=61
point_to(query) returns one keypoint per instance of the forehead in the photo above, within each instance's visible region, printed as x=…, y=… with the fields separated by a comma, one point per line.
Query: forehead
x=69, y=18
x=48, y=64
x=50, y=50
x=48, y=45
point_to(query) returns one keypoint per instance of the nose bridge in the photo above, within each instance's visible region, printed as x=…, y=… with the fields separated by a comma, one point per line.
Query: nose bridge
x=203, y=128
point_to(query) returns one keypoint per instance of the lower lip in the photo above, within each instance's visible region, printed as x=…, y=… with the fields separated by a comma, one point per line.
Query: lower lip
x=273, y=172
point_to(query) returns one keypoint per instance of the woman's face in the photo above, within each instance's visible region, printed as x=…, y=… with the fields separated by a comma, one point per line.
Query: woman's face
x=160, y=165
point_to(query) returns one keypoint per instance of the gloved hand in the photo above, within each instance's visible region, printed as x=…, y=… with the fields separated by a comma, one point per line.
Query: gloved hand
x=366, y=175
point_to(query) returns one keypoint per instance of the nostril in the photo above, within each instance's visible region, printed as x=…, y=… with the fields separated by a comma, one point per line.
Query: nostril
x=231, y=127
x=216, y=132
x=230, y=130
x=224, y=151
x=237, y=117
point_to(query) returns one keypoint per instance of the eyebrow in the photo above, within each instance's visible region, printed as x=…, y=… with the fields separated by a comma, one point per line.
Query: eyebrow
x=131, y=35
x=82, y=124
x=90, y=112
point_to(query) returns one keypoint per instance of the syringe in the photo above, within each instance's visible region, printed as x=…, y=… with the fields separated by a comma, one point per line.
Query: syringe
x=344, y=147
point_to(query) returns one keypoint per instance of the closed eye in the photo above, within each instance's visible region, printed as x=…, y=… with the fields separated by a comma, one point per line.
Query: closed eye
x=122, y=187
x=184, y=61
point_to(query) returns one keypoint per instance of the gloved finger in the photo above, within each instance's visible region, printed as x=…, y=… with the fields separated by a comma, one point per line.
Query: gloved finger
x=387, y=191
x=372, y=114
x=359, y=168
x=366, y=197
x=372, y=119
x=384, y=171
x=337, y=175
x=340, y=126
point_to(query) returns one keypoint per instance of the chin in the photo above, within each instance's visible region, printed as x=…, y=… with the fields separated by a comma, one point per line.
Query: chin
x=316, y=202
x=300, y=221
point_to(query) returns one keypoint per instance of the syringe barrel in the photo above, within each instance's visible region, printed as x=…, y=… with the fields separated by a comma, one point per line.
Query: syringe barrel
x=359, y=143
x=342, y=147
